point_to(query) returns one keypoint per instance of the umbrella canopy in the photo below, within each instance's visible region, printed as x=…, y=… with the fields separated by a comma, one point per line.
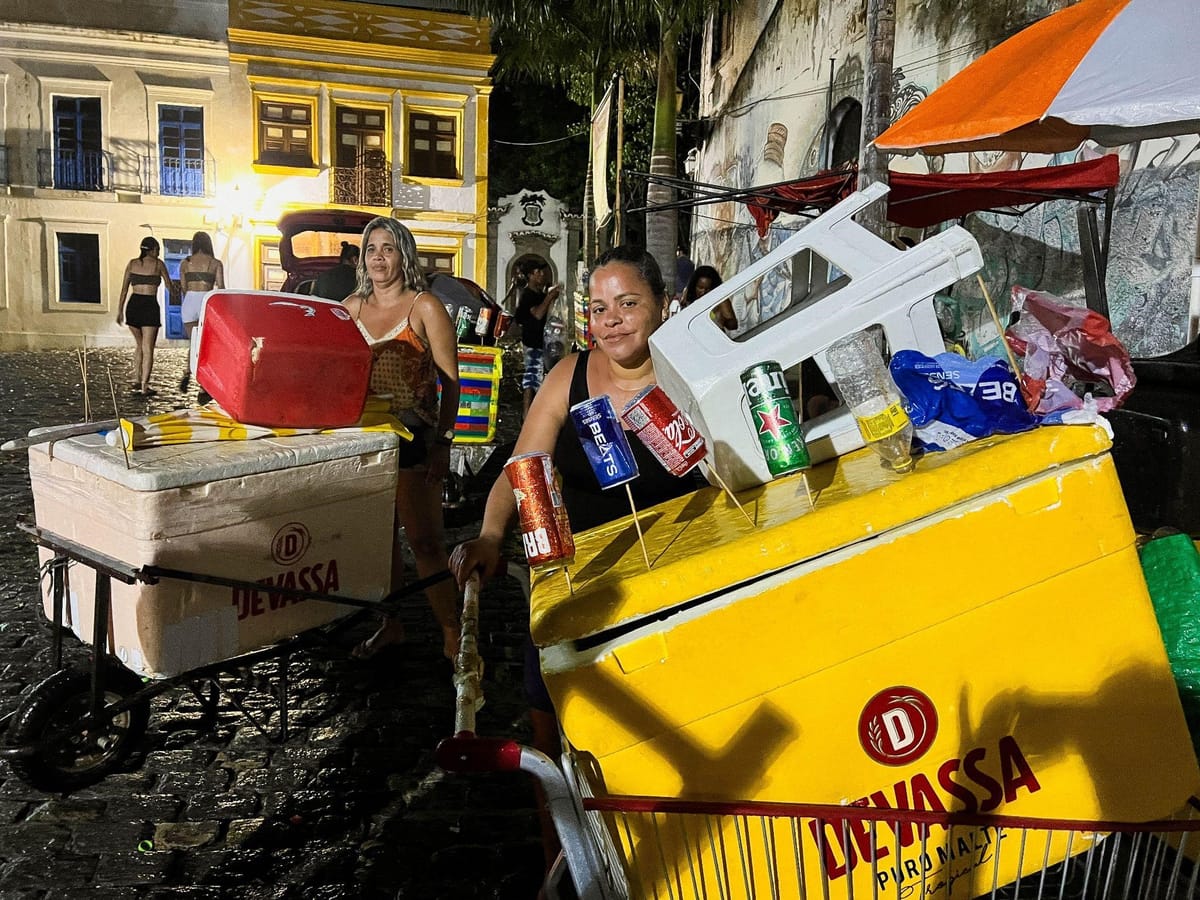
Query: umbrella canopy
x=1114, y=71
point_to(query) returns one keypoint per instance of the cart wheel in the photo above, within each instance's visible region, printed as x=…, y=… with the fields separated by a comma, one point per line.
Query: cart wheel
x=83, y=756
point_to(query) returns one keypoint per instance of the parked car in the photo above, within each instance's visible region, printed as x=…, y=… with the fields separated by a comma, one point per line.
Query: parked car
x=311, y=242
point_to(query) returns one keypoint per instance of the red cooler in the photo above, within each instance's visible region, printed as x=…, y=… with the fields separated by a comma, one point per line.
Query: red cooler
x=282, y=360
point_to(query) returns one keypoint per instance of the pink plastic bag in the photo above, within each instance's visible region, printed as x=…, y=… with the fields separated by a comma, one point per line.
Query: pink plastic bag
x=1063, y=345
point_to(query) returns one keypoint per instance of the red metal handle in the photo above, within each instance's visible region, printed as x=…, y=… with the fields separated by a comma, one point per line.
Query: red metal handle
x=467, y=753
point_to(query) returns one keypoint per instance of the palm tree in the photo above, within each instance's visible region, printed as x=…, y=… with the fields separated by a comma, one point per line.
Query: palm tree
x=565, y=42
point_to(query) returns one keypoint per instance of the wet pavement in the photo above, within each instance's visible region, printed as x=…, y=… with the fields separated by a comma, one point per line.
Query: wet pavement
x=351, y=805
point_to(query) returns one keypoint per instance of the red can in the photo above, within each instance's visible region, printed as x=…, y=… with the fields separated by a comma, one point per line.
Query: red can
x=503, y=323
x=545, y=531
x=665, y=430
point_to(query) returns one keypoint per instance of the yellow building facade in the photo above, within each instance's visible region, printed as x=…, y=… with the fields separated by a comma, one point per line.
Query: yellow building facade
x=264, y=107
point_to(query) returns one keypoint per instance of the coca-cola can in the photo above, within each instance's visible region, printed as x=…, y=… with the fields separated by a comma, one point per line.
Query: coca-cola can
x=545, y=530
x=665, y=430
x=503, y=323
x=484, y=320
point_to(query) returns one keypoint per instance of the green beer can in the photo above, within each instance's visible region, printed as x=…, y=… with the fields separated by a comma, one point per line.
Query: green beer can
x=775, y=418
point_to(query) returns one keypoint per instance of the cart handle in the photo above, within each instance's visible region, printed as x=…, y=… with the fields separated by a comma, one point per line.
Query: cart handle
x=468, y=665
x=466, y=753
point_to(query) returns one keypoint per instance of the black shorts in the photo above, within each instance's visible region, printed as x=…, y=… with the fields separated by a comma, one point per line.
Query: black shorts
x=142, y=312
x=414, y=454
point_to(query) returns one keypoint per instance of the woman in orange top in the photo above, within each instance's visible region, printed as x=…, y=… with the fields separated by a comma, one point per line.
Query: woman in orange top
x=414, y=346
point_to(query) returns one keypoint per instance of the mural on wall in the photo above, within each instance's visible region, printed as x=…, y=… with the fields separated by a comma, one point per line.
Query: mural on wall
x=1154, y=244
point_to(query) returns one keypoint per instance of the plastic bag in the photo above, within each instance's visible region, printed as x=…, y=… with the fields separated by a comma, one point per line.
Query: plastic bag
x=952, y=400
x=1068, y=351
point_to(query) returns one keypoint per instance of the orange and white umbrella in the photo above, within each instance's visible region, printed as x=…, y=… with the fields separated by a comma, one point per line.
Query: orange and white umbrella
x=1114, y=71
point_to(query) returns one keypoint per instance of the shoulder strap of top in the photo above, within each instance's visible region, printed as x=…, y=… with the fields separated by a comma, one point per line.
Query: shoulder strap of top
x=579, y=385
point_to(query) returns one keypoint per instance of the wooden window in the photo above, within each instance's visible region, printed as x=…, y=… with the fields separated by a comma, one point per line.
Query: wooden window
x=78, y=268
x=285, y=133
x=435, y=261
x=432, y=146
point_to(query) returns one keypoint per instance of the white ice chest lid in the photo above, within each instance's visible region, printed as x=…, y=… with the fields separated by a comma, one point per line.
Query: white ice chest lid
x=183, y=465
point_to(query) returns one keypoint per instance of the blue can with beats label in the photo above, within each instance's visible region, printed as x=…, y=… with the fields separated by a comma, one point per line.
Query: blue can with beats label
x=604, y=442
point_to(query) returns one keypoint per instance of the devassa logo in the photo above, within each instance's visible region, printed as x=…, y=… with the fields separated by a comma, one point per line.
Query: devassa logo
x=897, y=725
x=290, y=543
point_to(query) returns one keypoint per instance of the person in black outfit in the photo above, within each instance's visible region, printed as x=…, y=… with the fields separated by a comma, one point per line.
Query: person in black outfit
x=339, y=282
x=627, y=296
x=532, y=277
x=138, y=308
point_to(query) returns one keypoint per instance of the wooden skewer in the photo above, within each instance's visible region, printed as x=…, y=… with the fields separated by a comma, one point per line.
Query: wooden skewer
x=637, y=525
x=116, y=412
x=721, y=481
x=1012, y=360
x=570, y=587
x=811, y=503
x=81, y=356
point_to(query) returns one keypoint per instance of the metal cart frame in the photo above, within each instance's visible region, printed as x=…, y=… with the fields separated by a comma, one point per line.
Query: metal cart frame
x=63, y=723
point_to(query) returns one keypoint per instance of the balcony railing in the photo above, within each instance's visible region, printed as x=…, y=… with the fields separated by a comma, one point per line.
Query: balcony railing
x=172, y=176
x=75, y=170
x=4, y=164
x=369, y=183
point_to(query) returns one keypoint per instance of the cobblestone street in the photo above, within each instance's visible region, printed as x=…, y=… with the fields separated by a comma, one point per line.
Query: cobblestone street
x=351, y=805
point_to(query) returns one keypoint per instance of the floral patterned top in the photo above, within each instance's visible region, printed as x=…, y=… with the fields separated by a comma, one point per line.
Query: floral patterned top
x=403, y=367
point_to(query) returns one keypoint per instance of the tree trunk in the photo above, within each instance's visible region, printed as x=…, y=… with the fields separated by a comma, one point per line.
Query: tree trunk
x=872, y=165
x=662, y=231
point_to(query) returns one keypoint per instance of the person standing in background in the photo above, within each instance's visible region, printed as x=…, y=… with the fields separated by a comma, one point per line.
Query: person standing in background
x=139, y=309
x=703, y=280
x=198, y=274
x=684, y=267
x=413, y=351
x=533, y=304
x=339, y=282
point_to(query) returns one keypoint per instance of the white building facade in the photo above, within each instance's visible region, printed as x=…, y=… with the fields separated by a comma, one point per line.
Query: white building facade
x=121, y=120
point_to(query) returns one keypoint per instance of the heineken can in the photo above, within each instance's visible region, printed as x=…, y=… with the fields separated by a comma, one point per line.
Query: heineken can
x=775, y=418
x=462, y=323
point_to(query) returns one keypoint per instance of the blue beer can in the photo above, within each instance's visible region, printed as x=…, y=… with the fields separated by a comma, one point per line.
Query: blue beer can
x=604, y=442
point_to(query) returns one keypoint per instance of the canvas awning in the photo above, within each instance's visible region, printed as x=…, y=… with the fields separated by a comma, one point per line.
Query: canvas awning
x=917, y=201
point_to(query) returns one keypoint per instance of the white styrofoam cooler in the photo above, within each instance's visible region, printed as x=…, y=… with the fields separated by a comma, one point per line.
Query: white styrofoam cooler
x=699, y=365
x=313, y=512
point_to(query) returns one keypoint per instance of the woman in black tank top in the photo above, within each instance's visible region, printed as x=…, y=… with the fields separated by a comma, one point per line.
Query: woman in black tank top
x=627, y=295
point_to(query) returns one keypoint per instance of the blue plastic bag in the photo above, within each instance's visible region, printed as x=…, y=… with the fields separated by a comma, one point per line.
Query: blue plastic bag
x=952, y=400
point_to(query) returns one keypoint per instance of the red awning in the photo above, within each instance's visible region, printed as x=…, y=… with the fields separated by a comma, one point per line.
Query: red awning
x=917, y=201
x=920, y=200
x=818, y=192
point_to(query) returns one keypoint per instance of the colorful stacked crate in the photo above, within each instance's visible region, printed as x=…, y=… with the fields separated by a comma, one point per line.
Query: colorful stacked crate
x=479, y=371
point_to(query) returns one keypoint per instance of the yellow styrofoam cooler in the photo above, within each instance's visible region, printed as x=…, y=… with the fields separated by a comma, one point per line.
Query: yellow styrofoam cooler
x=312, y=512
x=973, y=636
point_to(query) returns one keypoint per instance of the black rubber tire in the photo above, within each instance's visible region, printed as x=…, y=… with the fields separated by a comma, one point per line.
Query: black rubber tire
x=82, y=757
